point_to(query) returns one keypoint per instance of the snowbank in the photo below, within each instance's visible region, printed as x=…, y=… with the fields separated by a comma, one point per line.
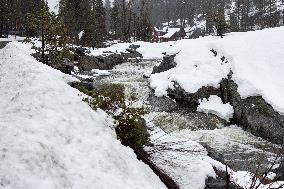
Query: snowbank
x=256, y=59
x=148, y=50
x=50, y=138
x=12, y=38
x=214, y=105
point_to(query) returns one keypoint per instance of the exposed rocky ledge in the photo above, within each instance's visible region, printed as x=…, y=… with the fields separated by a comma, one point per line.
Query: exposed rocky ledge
x=108, y=60
x=254, y=114
x=167, y=63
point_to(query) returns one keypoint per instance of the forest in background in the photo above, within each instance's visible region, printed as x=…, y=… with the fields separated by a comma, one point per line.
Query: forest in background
x=132, y=20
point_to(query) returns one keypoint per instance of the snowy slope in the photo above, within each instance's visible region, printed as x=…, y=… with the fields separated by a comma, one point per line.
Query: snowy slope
x=50, y=139
x=256, y=59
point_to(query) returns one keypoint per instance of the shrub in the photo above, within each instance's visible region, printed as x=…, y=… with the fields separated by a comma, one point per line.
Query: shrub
x=130, y=128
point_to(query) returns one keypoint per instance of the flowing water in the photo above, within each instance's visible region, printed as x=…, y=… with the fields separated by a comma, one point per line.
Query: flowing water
x=240, y=149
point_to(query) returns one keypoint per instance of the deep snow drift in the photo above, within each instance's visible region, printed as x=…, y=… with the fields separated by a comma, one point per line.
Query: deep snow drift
x=256, y=59
x=50, y=138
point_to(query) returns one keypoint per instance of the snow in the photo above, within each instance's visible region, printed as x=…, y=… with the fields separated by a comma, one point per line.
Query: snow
x=188, y=163
x=98, y=72
x=80, y=35
x=116, y=48
x=170, y=32
x=256, y=59
x=53, y=5
x=50, y=138
x=153, y=50
x=148, y=50
x=12, y=38
x=214, y=105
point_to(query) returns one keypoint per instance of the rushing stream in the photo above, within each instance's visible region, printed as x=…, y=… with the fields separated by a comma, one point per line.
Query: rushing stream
x=240, y=149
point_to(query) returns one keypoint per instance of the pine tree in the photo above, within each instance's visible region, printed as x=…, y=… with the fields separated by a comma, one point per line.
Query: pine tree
x=108, y=14
x=100, y=15
x=52, y=34
x=144, y=27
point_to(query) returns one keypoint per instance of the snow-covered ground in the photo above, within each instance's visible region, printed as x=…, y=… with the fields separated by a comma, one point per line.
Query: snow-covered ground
x=50, y=138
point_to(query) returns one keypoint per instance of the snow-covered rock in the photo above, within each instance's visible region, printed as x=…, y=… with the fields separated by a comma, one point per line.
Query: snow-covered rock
x=256, y=59
x=214, y=105
x=50, y=138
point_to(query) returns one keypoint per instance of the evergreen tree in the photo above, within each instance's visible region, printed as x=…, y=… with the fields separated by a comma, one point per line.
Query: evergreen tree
x=100, y=15
x=52, y=34
x=108, y=14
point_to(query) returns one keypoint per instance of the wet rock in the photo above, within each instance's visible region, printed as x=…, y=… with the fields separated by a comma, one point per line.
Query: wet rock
x=83, y=85
x=166, y=179
x=253, y=113
x=213, y=153
x=132, y=53
x=219, y=183
x=167, y=63
x=79, y=52
x=66, y=67
x=191, y=99
x=162, y=103
x=3, y=44
x=280, y=172
x=134, y=47
x=88, y=63
x=107, y=61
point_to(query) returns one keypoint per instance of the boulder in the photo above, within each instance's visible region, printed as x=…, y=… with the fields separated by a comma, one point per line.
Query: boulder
x=191, y=99
x=280, y=171
x=66, y=67
x=253, y=113
x=88, y=63
x=219, y=183
x=107, y=61
x=167, y=63
x=213, y=153
x=3, y=44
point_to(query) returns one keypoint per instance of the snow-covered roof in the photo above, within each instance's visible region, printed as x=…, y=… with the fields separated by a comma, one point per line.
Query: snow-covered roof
x=171, y=32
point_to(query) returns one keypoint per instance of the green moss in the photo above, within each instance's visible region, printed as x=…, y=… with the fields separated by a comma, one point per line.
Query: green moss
x=262, y=107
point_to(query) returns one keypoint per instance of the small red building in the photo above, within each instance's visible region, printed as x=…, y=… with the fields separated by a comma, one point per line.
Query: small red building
x=168, y=34
x=157, y=33
x=173, y=34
